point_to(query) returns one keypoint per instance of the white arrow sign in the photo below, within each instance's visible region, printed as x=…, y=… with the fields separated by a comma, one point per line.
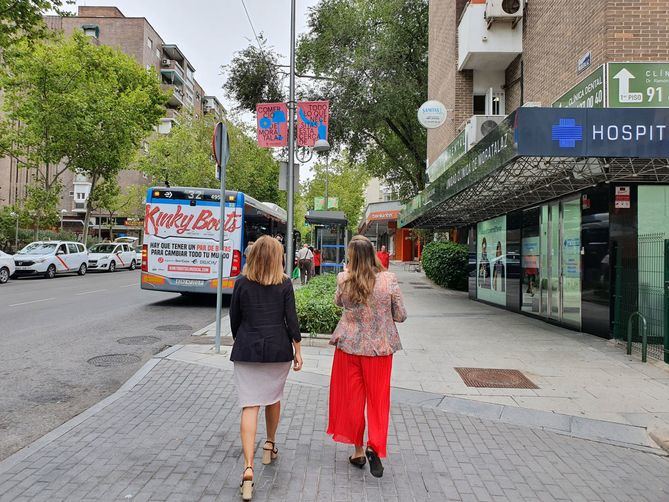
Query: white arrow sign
x=624, y=95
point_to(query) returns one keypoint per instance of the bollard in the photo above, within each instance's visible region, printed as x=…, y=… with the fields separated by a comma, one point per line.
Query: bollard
x=644, y=336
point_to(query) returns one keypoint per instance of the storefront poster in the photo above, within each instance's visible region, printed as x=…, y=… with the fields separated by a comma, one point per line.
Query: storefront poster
x=491, y=261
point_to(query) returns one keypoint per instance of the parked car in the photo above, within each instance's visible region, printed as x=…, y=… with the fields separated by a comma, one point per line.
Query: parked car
x=135, y=245
x=110, y=256
x=6, y=267
x=49, y=258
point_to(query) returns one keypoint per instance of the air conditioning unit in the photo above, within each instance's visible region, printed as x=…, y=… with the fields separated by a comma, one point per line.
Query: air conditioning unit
x=532, y=104
x=166, y=62
x=479, y=126
x=504, y=10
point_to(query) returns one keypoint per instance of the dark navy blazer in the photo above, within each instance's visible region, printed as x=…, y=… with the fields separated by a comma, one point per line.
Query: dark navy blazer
x=263, y=321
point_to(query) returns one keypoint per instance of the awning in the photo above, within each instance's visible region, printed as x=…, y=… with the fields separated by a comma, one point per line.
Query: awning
x=539, y=154
x=380, y=213
x=326, y=218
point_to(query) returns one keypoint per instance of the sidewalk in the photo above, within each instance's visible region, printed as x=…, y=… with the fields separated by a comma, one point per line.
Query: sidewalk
x=171, y=433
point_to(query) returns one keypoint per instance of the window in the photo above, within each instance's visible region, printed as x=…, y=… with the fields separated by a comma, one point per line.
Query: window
x=61, y=249
x=91, y=30
x=71, y=194
x=158, y=53
x=479, y=104
x=81, y=196
x=81, y=248
x=72, y=247
x=149, y=43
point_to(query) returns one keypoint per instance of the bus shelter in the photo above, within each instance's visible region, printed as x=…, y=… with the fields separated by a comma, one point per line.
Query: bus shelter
x=330, y=235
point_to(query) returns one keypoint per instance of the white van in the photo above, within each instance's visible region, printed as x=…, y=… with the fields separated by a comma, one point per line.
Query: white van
x=49, y=258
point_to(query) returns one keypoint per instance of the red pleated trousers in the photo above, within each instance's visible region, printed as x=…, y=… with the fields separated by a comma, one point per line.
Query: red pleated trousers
x=356, y=382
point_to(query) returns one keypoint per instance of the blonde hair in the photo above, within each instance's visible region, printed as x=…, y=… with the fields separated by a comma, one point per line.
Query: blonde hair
x=264, y=263
x=363, y=265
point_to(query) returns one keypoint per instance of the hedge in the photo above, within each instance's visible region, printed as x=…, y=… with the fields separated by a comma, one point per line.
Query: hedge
x=445, y=263
x=316, y=309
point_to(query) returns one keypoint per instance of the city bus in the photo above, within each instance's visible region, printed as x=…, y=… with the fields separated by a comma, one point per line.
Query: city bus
x=181, y=237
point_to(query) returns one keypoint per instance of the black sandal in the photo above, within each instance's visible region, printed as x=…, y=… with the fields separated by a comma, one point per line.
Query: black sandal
x=246, y=486
x=269, y=454
x=358, y=461
x=375, y=465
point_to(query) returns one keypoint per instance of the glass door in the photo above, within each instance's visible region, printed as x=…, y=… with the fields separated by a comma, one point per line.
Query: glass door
x=571, y=262
x=554, y=248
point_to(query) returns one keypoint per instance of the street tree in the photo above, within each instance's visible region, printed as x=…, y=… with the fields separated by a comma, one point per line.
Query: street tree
x=183, y=158
x=41, y=206
x=346, y=180
x=74, y=105
x=369, y=58
x=22, y=20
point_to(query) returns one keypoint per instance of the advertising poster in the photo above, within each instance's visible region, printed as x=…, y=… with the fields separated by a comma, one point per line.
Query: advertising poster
x=491, y=261
x=182, y=240
x=313, y=118
x=272, y=124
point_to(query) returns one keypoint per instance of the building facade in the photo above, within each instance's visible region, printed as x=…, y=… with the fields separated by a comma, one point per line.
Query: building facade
x=554, y=164
x=136, y=37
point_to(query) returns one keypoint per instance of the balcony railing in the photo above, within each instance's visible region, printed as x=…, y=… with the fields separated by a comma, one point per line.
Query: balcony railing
x=177, y=94
x=172, y=71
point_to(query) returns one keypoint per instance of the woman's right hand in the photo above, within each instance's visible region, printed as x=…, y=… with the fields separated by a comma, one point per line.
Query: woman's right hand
x=297, y=361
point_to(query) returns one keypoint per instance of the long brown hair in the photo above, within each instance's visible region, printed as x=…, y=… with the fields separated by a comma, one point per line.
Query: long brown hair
x=363, y=265
x=264, y=263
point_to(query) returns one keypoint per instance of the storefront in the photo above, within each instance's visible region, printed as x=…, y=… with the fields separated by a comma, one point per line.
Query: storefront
x=566, y=214
x=379, y=224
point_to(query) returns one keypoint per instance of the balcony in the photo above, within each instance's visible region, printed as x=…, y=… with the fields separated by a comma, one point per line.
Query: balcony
x=177, y=94
x=172, y=71
x=484, y=44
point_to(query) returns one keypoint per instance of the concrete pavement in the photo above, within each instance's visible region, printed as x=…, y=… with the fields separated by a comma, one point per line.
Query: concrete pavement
x=49, y=329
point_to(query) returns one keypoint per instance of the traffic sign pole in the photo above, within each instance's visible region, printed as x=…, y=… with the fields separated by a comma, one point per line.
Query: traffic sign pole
x=221, y=154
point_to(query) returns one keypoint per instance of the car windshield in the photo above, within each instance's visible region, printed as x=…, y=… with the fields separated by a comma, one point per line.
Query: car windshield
x=103, y=248
x=39, y=248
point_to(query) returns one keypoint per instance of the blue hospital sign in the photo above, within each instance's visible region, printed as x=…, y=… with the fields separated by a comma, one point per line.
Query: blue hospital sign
x=555, y=132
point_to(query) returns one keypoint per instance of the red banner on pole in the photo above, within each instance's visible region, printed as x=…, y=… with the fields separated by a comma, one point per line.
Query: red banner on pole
x=313, y=118
x=272, y=124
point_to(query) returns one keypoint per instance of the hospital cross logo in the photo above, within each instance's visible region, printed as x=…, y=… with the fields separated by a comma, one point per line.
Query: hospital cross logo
x=567, y=133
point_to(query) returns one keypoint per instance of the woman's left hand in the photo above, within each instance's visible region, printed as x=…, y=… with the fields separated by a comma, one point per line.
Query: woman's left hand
x=297, y=362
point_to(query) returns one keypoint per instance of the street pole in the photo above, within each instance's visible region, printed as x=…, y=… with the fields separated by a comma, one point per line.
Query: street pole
x=221, y=154
x=290, y=251
x=327, y=167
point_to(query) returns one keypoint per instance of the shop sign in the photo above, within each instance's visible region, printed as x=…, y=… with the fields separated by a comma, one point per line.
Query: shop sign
x=383, y=215
x=638, y=85
x=634, y=133
x=588, y=93
x=448, y=157
x=432, y=114
x=623, y=198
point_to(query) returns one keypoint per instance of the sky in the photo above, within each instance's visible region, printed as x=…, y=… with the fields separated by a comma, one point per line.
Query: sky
x=209, y=32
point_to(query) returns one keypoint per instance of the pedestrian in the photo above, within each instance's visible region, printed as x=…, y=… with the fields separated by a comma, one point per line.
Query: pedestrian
x=384, y=257
x=248, y=248
x=267, y=339
x=317, y=261
x=305, y=261
x=365, y=339
x=312, y=272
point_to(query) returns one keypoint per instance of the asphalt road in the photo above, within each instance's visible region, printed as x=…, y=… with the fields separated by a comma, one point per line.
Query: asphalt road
x=49, y=329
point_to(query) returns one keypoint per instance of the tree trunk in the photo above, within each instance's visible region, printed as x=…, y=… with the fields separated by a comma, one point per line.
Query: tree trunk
x=111, y=227
x=89, y=209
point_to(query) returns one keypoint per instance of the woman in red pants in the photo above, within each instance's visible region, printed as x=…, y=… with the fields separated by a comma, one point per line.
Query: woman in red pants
x=366, y=339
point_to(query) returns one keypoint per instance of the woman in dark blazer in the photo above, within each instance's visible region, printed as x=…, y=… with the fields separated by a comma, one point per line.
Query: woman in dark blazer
x=267, y=339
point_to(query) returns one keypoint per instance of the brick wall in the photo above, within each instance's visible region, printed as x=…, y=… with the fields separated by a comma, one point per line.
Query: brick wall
x=637, y=30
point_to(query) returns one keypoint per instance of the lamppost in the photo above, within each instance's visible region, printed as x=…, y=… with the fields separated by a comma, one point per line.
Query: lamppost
x=63, y=212
x=16, y=234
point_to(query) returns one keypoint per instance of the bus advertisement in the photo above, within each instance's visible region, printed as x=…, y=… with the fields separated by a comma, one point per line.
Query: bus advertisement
x=180, y=252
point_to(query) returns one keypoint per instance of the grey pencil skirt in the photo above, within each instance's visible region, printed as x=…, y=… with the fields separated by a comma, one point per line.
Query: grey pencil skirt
x=260, y=384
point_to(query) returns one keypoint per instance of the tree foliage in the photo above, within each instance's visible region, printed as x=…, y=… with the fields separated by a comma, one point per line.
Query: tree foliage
x=80, y=106
x=253, y=77
x=346, y=180
x=183, y=158
x=21, y=20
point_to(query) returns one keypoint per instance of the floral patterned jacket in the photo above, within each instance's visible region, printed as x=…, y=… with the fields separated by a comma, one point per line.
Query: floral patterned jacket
x=369, y=330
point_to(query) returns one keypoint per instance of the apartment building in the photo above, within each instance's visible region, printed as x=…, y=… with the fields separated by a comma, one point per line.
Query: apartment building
x=552, y=163
x=136, y=37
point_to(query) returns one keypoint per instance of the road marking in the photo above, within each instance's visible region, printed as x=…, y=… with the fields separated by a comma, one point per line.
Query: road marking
x=129, y=285
x=33, y=301
x=89, y=292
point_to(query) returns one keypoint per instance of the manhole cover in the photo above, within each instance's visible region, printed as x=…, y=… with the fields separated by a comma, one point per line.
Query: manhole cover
x=174, y=327
x=495, y=378
x=138, y=340
x=110, y=360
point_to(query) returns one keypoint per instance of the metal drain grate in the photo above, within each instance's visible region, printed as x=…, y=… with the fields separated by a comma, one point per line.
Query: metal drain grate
x=493, y=378
x=111, y=360
x=138, y=340
x=174, y=327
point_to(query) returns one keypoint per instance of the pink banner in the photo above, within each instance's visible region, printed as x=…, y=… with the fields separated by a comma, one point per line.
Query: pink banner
x=313, y=118
x=272, y=124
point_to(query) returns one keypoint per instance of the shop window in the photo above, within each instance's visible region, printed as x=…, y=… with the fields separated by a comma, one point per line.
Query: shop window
x=491, y=261
x=530, y=262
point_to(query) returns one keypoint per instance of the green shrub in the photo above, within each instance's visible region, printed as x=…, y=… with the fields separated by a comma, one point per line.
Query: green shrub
x=445, y=263
x=316, y=309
